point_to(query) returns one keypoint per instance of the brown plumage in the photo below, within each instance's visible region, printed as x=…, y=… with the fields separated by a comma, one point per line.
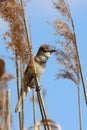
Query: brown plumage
x=40, y=60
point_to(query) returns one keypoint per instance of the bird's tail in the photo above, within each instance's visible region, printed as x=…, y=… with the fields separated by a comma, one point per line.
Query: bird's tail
x=19, y=103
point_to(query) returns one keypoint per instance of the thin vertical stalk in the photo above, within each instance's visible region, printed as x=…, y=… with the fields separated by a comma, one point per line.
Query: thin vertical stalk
x=32, y=60
x=80, y=67
x=34, y=106
x=43, y=105
x=18, y=88
x=3, y=112
x=17, y=74
x=79, y=106
x=34, y=109
x=8, y=127
x=22, y=84
x=43, y=109
x=81, y=72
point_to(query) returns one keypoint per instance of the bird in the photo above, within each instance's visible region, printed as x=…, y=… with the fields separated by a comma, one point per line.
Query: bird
x=40, y=60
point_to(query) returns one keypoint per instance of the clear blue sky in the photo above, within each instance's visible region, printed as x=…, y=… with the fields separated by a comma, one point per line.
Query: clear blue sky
x=61, y=99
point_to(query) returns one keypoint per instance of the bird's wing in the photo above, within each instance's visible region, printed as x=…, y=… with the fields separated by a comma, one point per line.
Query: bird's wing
x=29, y=76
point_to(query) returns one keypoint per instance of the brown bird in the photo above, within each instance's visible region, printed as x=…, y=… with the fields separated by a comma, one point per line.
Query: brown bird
x=40, y=61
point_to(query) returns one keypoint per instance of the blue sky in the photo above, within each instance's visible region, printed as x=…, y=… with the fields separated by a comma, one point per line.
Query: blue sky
x=61, y=99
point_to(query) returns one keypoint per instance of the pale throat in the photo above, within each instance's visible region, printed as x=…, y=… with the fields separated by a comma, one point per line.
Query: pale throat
x=42, y=59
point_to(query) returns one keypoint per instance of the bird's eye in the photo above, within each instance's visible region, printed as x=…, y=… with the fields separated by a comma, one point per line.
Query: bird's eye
x=44, y=50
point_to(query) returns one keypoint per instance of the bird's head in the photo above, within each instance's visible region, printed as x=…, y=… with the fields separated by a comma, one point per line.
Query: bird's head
x=45, y=50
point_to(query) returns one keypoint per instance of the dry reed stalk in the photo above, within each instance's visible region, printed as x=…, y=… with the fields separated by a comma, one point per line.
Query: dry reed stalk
x=20, y=73
x=80, y=111
x=80, y=66
x=22, y=84
x=8, y=111
x=34, y=106
x=34, y=100
x=11, y=12
x=63, y=7
x=68, y=56
x=3, y=111
x=15, y=15
x=18, y=89
x=5, y=97
x=39, y=95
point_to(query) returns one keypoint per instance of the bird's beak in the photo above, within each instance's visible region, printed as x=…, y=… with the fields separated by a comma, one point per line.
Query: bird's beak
x=53, y=50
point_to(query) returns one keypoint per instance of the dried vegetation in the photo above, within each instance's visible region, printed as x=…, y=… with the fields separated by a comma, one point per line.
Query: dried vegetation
x=19, y=42
x=67, y=52
x=12, y=12
x=5, y=111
